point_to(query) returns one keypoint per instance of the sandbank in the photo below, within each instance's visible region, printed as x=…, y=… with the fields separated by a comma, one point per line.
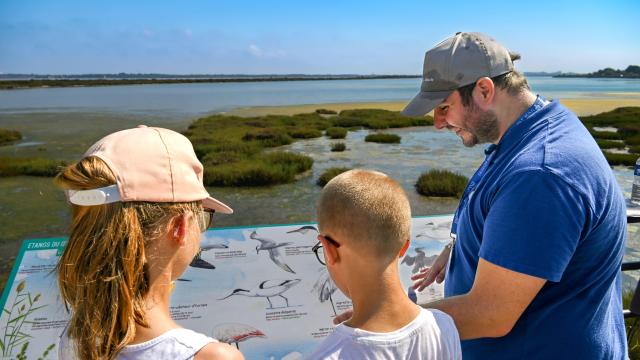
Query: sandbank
x=581, y=106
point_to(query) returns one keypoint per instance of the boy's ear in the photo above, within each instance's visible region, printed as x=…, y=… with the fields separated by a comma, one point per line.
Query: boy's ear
x=330, y=251
x=404, y=249
x=178, y=229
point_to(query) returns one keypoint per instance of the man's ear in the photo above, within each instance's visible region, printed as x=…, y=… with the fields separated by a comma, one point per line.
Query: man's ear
x=484, y=92
x=330, y=251
x=404, y=249
x=178, y=229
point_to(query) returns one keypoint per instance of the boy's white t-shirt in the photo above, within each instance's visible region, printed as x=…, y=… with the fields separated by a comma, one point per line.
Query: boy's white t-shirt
x=431, y=335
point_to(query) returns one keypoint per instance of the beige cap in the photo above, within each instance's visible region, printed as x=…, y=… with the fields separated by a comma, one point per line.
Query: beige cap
x=150, y=164
x=455, y=62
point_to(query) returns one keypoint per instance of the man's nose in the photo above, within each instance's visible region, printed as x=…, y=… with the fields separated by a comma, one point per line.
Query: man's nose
x=439, y=120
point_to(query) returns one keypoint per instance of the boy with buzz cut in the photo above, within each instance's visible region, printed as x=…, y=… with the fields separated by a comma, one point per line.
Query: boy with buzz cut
x=364, y=220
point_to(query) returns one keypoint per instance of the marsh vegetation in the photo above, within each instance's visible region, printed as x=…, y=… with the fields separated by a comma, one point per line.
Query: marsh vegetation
x=383, y=138
x=329, y=174
x=625, y=122
x=9, y=136
x=238, y=151
x=338, y=147
x=441, y=183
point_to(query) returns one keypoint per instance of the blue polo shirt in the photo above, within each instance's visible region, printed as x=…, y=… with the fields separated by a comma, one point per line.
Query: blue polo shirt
x=548, y=205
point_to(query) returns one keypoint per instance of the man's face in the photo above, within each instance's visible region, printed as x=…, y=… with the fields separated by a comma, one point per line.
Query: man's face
x=472, y=124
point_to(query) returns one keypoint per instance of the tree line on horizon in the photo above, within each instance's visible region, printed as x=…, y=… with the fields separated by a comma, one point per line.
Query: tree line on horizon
x=632, y=71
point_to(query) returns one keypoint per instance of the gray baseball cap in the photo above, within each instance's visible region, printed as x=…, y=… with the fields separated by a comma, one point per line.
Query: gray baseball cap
x=455, y=62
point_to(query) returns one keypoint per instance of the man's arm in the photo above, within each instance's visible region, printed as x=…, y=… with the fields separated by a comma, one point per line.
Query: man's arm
x=496, y=301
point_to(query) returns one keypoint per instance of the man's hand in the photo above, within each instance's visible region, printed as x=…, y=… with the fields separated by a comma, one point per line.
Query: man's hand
x=340, y=318
x=436, y=272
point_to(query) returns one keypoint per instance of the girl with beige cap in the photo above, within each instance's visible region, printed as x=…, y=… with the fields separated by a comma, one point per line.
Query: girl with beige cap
x=138, y=209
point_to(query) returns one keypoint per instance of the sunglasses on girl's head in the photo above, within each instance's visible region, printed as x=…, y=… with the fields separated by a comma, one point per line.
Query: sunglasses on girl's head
x=205, y=218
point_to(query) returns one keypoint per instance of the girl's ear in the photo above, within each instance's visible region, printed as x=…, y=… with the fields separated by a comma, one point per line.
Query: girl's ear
x=178, y=229
x=404, y=249
x=330, y=251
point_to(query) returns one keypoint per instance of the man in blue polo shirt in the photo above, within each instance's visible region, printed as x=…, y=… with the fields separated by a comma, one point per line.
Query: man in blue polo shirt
x=534, y=270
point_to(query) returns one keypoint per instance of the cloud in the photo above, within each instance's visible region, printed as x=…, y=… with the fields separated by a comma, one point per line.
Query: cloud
x=255, y=51
x=258, y=52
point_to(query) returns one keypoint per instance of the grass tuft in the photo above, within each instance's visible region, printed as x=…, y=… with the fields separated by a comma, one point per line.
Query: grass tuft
x=338, y=147
x=621, y=159
x=383, y=138
x=9, y=136
x=441, y=183
x=10, y=166
x=336, y=132
x=329, y=174
x=610, y=144
x=325, y=112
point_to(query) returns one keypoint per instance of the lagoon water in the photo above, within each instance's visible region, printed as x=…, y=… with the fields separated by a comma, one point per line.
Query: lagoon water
x=194, y=99
x=62, y=122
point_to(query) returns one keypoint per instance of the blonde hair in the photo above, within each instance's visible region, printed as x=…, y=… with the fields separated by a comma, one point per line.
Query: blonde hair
x=102, y=273
x=369, y=208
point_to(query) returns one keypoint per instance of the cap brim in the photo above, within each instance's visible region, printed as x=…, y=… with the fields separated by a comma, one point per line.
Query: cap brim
x=424, y=102
x=218, y=206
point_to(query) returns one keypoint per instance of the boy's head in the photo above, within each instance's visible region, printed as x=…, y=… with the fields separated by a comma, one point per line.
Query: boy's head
x=367, y=212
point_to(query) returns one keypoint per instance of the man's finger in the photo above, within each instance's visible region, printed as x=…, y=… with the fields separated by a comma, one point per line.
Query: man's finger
x=340, y=318
x=421, y=274
x=426, y=281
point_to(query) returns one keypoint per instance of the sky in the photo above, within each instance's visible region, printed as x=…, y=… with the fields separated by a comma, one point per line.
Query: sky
x=305, y=37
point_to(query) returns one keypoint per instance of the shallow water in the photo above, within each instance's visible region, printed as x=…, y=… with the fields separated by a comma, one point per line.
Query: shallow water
x=32, y=207
x=64, y=122
x=176, y=100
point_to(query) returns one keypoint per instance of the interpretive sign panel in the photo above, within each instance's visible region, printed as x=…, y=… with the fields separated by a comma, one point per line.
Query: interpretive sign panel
x=258, y=288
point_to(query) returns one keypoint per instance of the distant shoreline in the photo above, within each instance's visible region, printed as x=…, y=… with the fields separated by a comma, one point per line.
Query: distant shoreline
x=20, y=81
x=46, y=83
x=596, y=76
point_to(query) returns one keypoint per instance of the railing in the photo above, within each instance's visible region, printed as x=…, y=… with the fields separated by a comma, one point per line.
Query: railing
x=633, y=217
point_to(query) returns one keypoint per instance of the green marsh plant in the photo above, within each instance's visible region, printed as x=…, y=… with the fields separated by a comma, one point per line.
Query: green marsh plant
x=383, y=138
x=18, y=313
x=441, y=183
x=329, y=174
x=9, y=136
x=336, y=132
x=338, y=147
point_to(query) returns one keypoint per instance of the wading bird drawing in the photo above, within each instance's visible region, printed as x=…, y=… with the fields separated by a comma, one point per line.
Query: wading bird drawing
x=304, y=230
x=234, y=333
x=267, y=289
x=325, y=287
